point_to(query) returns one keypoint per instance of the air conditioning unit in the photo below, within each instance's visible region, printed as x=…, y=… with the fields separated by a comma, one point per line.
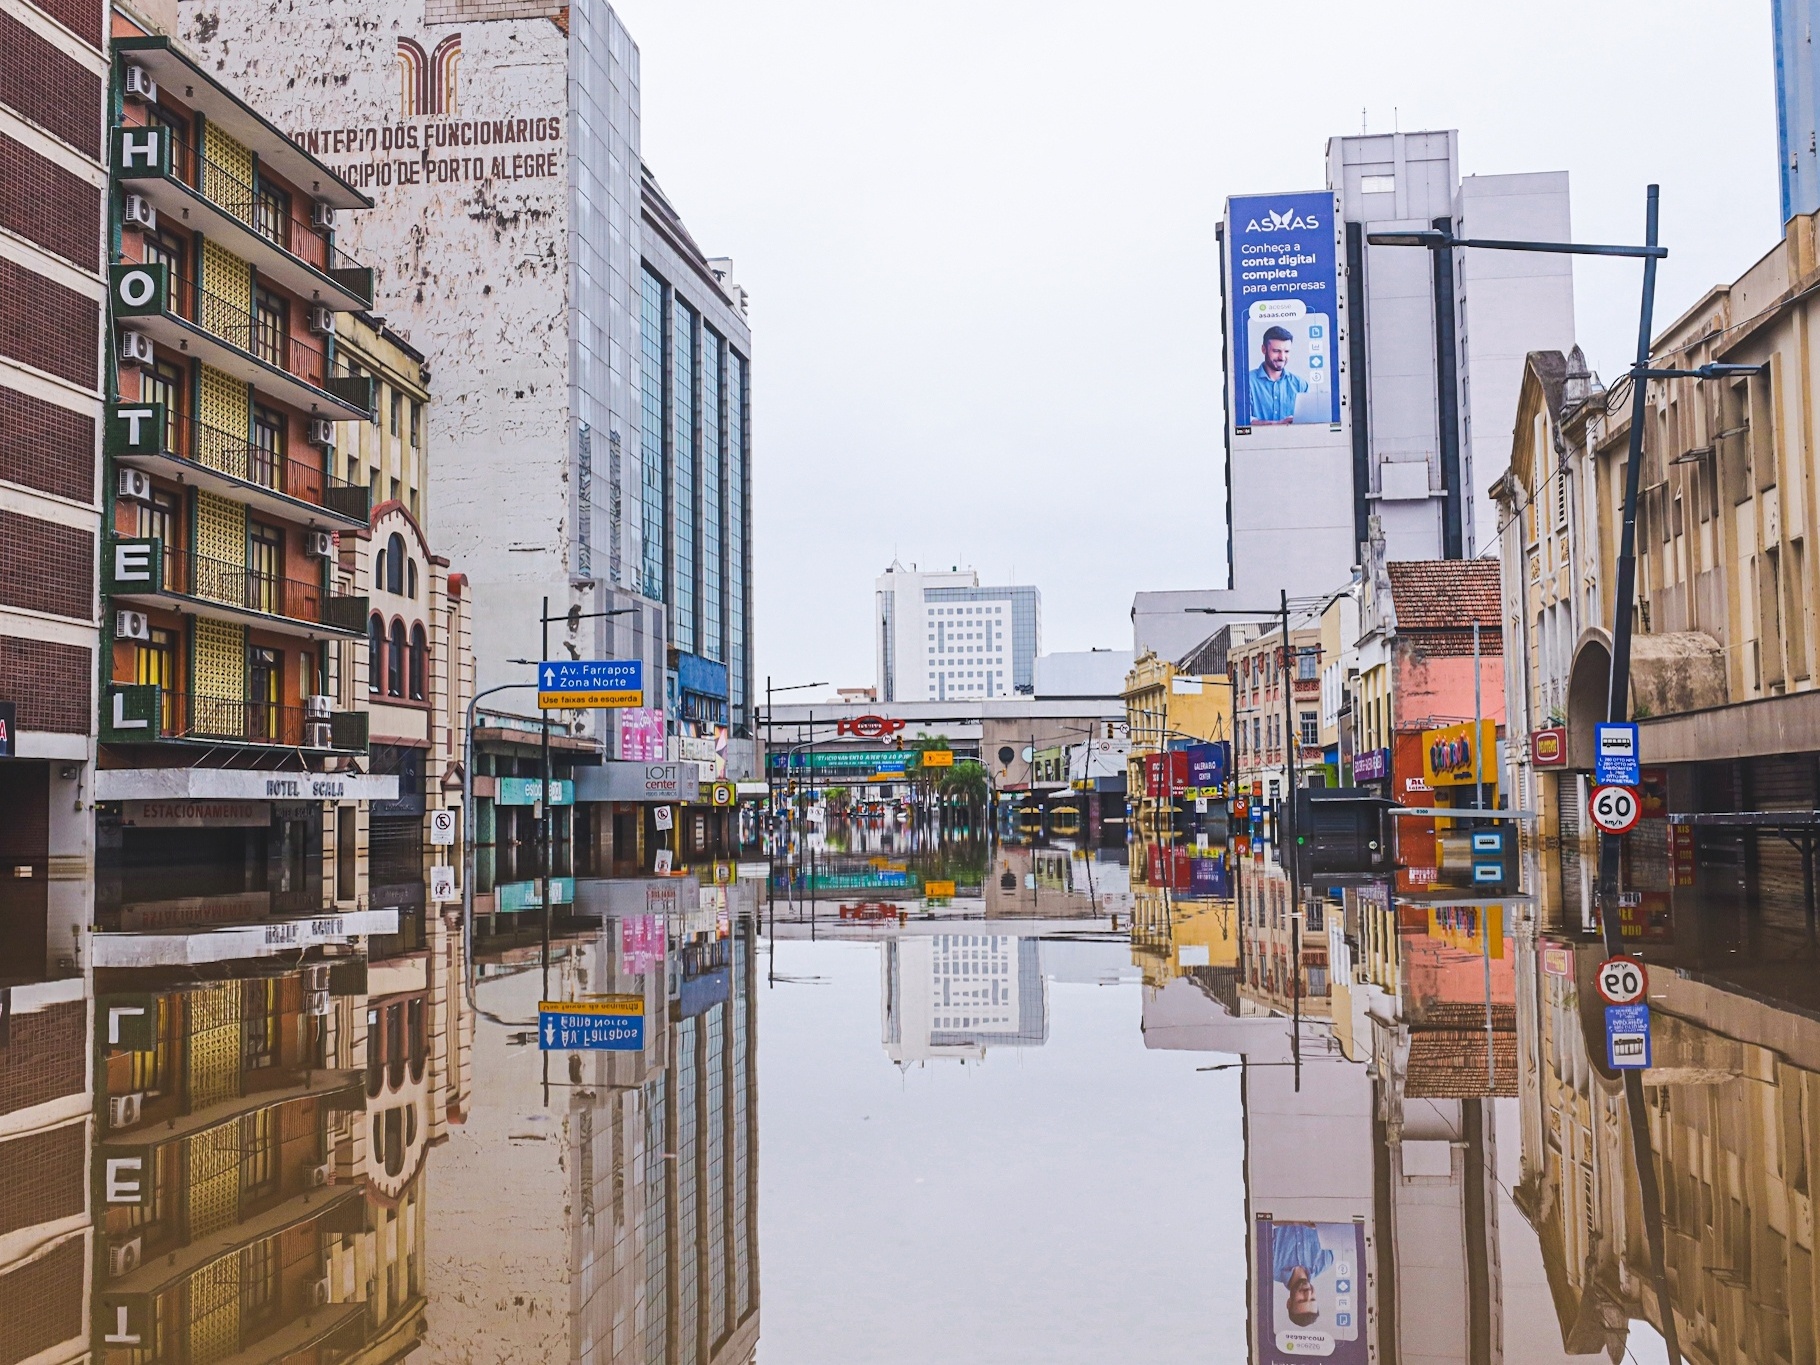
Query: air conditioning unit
x=316, y=975
x=322, y=321
x=140, y=85
x=322, y=216
x=321, y=1175
x=140, y=213
x=320, y=544
x=316, y=1002
x=318, y=735
x=135, y=348
x=123, y=1110
x=132, y=625
x=316, y=707
x=123, y=1258
x=322, y=433
x=319, y=1292
x=135, y=485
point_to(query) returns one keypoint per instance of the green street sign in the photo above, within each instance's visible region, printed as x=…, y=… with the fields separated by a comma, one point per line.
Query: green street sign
x=135, y=428
x=527, y=791
x=135, y=565
x=139, y=290
x=523, y=895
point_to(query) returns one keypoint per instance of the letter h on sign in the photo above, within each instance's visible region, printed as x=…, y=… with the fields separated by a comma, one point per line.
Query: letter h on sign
x=141, y=153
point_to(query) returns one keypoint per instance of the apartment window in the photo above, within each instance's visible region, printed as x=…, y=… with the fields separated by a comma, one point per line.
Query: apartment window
x=271, y=327
x=397, y=411
x=265, y=460
x=394, y=564
x=158, y=520
x=397, y=491
x=395, y=661
x=420, y=653
x=410, y=579
x=1311, y=728
x=167, y=383
x=264, y=568
x=1308, y=665
x=260, y=1039
x=272, y=213
x=155, y=663
x=259, y=1280
x=416, y=424
x=265, y=668
x=375, y=652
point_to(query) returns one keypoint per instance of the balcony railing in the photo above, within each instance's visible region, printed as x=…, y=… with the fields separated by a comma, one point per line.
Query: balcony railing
x=250, y=588
x=267, y=336
x=274, y=219
x=237, y=457
x=189, y=716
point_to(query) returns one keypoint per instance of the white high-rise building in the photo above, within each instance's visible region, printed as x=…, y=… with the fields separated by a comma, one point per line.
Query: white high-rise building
x=942, y=637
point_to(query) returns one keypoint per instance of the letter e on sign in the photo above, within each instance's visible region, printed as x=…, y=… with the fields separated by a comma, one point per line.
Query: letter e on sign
x=123, y=1182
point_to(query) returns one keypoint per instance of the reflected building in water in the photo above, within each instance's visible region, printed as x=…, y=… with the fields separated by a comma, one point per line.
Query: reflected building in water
x=603, y=1205
x=959, y=994
x=1058, y=881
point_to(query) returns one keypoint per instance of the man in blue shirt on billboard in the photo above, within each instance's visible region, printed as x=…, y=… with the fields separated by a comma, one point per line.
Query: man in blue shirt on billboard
x=1274, y=389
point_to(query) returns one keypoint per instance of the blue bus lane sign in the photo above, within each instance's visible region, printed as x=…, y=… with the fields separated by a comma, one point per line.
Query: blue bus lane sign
x=614, y=1023
x=1627, y=1037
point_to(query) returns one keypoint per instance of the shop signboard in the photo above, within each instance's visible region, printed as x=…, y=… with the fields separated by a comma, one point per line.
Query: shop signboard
x=1460, y=755
x=1371, y=766
x=9, y=720
x=1311, y=1301
x=194, y=814
x=511, y=896
x=1207, y=764
x=621, y=781
x=526, y=791
x=1548, y=748
x=641, y=734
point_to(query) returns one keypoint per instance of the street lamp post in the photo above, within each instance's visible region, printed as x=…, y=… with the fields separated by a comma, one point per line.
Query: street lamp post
x=1617, y=700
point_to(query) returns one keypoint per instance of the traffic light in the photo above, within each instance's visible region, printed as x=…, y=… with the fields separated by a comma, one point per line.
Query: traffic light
x=1342, y=831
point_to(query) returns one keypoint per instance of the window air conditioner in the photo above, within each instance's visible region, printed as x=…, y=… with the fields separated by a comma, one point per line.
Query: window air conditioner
x=320, y=544
x=321, y=1175
x=132, y=625
x=135, y=348
x=316, y=975
x=322, y=216
x=123, y=1258
x=322, y=321
x=317, y=735
x=322, y=433
x=140, y=213
x=316, y=1002
x=135, y=485
x=319, y=1292
x=123, y=1110
x=140, y=85
x=316, y=707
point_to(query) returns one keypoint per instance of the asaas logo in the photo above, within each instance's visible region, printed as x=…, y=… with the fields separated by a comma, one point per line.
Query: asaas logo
x=1282, y=220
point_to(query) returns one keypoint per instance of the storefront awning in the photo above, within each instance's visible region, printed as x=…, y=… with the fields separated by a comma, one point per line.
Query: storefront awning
x=228, y=784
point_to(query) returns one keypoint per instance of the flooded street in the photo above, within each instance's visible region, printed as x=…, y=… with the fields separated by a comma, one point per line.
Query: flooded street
x=1086, y=1104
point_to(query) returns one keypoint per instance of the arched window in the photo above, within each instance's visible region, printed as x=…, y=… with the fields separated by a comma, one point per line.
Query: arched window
x=394, y=564
x=410, y=574
x=420, y=659
x=379, y=570
x=394, y=664
x=375, y=652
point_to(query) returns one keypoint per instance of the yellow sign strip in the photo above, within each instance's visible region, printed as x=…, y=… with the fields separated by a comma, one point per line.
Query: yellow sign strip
x=581, y=701
x=611, y=1004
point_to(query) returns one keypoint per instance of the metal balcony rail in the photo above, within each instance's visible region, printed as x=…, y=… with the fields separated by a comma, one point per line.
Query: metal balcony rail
x=257, y=331
x=189, y=715
x=271, y=216
x=237, y=456
x=249, y=587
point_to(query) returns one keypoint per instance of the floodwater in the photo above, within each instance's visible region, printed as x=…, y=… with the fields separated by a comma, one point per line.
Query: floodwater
x=900, y=1100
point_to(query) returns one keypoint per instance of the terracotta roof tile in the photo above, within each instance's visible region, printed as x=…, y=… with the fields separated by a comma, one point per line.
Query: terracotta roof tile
x=1443, y=594
x=1450, y=1064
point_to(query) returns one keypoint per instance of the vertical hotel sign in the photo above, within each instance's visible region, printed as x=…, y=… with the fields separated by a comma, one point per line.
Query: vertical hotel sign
x=1283, y=306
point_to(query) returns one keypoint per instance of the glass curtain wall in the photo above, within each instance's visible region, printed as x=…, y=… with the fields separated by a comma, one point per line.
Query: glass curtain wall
x=712, y=532
x=651, y=463
x=684, y=489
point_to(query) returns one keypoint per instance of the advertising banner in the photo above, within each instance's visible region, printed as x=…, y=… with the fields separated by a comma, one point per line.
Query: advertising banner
x=1283, y=300
x=1453, y=756
x=1371, y=766
x=1206, y=764
x=1311, y=1292
x=641, y=734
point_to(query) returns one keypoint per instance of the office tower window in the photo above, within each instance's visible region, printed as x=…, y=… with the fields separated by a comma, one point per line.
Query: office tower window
x=685, y=485
x=711, y=537
x=651, y=464
x=736, y=534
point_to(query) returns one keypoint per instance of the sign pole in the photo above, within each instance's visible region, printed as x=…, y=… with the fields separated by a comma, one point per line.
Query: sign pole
x=546, y=828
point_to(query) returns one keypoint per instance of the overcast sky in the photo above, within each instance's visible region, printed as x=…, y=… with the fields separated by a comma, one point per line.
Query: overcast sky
x=979, y=241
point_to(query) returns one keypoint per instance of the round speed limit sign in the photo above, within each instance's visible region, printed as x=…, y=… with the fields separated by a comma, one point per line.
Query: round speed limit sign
x=1615, y=810
x=1622, y=980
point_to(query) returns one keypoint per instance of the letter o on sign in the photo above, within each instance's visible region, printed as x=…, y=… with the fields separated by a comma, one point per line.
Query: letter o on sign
x=137, y=288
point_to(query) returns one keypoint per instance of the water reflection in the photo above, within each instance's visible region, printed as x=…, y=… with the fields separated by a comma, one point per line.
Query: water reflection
x=332, y=1139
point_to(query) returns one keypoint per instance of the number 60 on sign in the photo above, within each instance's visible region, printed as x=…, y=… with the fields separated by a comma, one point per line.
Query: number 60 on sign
x=1615, y=810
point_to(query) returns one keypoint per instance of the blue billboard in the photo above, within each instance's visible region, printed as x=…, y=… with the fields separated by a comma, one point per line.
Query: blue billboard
x=1283, y=300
